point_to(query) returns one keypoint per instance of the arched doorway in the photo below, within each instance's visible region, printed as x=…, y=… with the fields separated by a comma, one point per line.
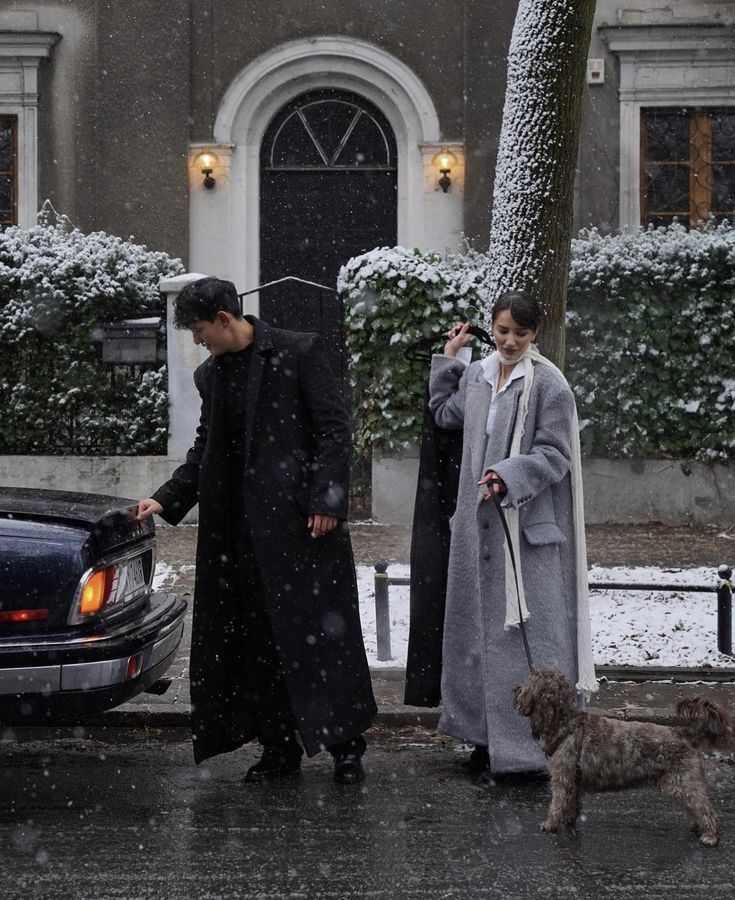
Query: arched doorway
x=328, y=185
x=327, y=192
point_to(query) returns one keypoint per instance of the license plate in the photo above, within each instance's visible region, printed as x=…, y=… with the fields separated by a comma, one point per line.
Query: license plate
x=131, y=580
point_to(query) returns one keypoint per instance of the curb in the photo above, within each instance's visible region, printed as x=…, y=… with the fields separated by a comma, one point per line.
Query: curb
x=139, y=714
x=643, y=674
x=637, y=674
x=157, y=717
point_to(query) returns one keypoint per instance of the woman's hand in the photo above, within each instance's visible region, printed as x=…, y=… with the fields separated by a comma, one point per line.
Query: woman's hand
x=498, y=486
x=458, y=337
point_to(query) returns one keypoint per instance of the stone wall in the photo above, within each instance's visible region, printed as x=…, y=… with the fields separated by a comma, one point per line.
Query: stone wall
x=625, y=491
x=131, y=477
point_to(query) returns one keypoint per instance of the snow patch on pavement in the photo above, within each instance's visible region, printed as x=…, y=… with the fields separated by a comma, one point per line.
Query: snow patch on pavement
x=164, y=574
x=632, y=628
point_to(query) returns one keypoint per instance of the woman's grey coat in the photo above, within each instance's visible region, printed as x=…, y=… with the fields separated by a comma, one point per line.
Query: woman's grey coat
x=482, y=661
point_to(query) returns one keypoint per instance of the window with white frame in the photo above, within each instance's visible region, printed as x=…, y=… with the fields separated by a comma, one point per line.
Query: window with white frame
x=677, y=121
x=8, y=171
x=687, y=165
x=21, y=53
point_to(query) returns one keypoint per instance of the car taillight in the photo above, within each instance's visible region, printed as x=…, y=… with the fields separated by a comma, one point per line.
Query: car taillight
x=135, y=664
x=96, y=591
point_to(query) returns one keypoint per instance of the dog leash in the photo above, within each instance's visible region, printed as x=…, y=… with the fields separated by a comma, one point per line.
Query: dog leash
x=496, y=503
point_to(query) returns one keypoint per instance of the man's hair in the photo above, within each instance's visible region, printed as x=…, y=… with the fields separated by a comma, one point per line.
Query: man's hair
x=203, y=299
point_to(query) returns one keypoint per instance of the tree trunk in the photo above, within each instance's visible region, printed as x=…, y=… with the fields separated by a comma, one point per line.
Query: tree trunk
x=533, y=197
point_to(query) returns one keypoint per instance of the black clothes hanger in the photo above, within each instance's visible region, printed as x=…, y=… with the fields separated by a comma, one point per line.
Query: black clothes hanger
x=421, y=348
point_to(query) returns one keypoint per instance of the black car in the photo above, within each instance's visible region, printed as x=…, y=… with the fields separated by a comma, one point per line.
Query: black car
x=80, y=628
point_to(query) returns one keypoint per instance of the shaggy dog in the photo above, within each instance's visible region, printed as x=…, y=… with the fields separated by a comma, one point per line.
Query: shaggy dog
x=589, y=752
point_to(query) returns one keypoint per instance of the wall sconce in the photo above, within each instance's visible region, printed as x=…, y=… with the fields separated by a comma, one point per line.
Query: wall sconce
x=206, y=161
x=445, y=161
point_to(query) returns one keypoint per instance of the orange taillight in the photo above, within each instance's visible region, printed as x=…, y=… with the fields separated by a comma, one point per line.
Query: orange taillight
x=96, y=591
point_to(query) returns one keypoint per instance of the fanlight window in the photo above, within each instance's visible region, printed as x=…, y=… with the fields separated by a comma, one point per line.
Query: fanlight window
x=330, y=133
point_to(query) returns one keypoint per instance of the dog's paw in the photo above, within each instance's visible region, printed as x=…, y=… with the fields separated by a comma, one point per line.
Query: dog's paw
x=548, y=826
x=709, y=840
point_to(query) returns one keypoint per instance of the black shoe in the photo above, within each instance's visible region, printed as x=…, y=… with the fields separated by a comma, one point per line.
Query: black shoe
x=277, y=761
x=348, y=768
x=478, y=762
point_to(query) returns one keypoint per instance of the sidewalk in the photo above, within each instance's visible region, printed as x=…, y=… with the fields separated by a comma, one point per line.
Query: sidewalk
x=641, y=694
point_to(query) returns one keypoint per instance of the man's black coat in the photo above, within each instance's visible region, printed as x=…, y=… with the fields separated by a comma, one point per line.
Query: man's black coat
x=297, y=449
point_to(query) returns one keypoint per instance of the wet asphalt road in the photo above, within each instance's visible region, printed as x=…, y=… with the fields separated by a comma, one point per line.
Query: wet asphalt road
x=128, y=815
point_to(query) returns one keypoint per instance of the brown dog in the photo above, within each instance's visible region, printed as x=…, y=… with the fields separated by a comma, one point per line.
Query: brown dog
x=590, y=752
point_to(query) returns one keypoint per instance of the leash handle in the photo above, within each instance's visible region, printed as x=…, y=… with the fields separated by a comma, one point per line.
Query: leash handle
x=496, y=503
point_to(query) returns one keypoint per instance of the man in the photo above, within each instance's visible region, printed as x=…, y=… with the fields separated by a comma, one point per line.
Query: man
x=277, y=651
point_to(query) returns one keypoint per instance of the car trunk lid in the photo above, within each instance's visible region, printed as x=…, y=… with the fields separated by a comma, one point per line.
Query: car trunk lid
x=50, y=542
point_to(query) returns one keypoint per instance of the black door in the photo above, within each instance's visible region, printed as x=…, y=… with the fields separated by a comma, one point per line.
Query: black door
x=327, y=192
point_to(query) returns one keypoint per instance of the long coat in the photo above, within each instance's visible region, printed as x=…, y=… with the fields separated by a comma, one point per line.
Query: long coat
x=436, y=499
x=482, y=661
x=296, y=463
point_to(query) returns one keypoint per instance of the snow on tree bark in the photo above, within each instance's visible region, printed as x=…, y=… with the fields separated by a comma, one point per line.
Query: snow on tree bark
x=534, y=178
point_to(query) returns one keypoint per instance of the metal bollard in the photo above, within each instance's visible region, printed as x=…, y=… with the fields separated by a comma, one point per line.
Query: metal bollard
x=382, y=610
x=724, y=611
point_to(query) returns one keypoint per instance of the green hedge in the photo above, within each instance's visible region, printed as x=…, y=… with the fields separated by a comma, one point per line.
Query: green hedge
x=392, y=297
x=57, y=286
x=651, y=322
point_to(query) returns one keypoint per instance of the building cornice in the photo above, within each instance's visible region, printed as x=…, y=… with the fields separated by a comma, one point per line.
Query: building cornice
x=657, y=38
x=27, y=44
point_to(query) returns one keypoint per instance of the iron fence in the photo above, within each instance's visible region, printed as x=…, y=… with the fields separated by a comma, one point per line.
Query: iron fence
x=723, y=590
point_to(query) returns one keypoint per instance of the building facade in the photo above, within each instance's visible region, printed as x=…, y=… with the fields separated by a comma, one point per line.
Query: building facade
x=658, y=133
x=322, y=123
x=261, y=139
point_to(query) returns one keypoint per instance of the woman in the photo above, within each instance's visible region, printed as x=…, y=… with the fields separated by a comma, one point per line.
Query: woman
x=521, y=440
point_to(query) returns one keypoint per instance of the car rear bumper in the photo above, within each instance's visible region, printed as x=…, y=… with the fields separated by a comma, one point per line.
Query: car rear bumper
x=52, y=679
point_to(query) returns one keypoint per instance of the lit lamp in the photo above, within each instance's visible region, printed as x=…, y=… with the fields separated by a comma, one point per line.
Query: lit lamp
x=206, y=161
x=445, y=161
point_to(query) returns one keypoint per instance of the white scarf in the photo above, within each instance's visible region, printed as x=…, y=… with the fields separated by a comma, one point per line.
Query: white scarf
x=587, y=683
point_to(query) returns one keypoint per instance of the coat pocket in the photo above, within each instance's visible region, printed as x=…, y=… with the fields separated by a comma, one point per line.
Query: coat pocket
x=543, y=533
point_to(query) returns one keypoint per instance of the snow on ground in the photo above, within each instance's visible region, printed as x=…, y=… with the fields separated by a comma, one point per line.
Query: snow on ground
x=635, y=628
x=632, y=628
x=163, y=574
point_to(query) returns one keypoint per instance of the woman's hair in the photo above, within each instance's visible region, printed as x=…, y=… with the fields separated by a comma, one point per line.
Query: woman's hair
x=523, y=307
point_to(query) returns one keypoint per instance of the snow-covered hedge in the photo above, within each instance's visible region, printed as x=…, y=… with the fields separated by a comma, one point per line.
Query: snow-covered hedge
x=57, y=286
x=393, y=296
x=651, y=324
x=650, y=355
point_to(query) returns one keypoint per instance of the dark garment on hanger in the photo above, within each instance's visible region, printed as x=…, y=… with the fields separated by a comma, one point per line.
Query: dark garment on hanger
x=436, y=498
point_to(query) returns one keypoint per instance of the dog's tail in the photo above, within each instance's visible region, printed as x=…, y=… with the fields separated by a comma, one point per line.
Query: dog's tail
x=708, y=724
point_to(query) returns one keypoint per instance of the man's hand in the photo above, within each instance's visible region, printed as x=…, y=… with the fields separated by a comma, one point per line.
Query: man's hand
x=320, y=525
x=147, y=507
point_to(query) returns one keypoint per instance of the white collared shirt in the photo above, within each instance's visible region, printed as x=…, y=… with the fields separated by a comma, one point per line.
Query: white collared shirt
x=491, y=372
